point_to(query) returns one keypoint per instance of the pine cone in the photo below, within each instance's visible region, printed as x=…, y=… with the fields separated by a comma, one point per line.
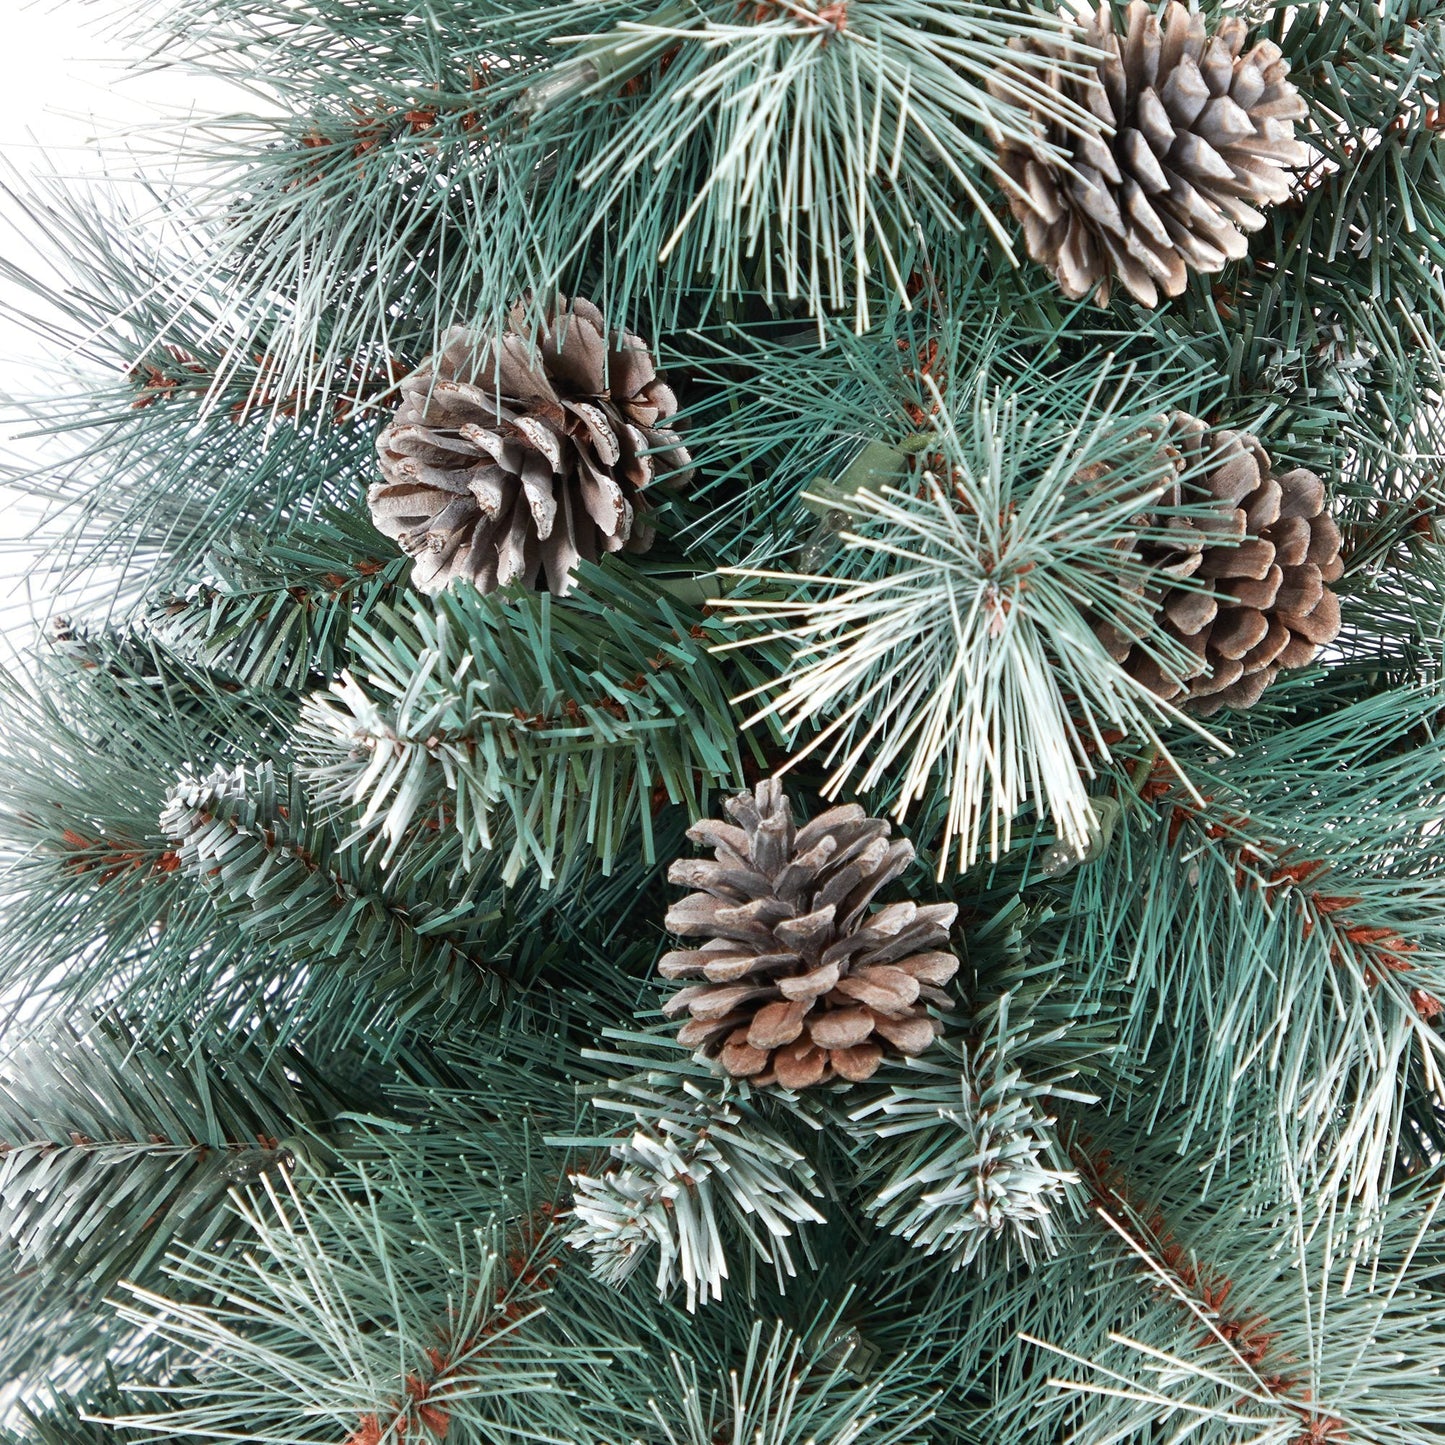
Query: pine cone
x=800, y=981
x=1258, y=600
x=506, y=457
x=1202, y=135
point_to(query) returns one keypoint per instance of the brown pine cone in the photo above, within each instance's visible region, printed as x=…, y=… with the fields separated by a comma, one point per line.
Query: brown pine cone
x=799, y=980
x=1247, y=593
x=1202, y=135
x=506, y=459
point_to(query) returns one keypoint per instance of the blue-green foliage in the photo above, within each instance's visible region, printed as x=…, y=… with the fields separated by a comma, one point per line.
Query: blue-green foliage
x=334, y=1103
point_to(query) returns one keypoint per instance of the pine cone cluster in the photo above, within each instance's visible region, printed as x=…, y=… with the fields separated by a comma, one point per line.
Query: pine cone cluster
x=509, y=457
x=799, y=981
x=1246, y=590
x=1202, y=135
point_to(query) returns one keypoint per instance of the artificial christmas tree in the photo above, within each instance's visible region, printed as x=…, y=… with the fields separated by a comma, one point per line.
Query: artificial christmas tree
x=885, y=889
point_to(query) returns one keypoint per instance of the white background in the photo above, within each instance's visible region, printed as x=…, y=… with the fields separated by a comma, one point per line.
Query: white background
x=70, y=87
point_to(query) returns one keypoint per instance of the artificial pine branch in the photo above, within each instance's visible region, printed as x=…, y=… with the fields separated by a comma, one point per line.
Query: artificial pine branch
x=954, y=635
x=1249, y=1347
x=1266, y=867
x=117, y=1150
x=693, y=1160
x=968, y=1154
x=91, y=908
x=276, y=611
x=275, y=872
x=336, y=1342
x=532, y=727
x=806, y=143
x=69, y=1419
x=783, y=1392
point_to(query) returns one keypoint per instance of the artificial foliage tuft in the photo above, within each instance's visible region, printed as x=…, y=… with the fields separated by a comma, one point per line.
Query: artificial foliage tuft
x=969, y=1153
x=740, y=742
x=985, y=550
x=684, y=1163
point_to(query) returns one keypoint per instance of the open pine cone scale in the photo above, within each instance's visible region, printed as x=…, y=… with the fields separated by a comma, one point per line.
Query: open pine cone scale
x=799, y=981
